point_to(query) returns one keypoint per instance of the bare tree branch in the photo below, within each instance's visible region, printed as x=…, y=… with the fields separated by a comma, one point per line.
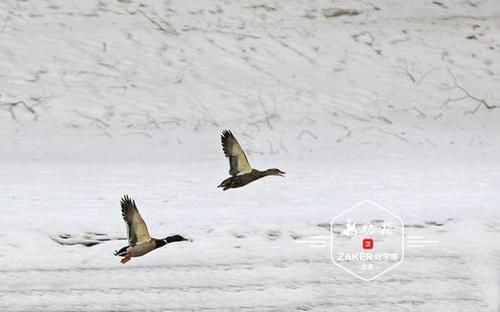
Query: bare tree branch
x=467, y=95
x=414, y=108
x=12, y=105
x=412, y=76
x=172, y=30
x=304, y=132
x=98, y=121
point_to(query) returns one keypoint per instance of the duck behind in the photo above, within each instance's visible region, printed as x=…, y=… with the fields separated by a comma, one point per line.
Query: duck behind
x=239, y=168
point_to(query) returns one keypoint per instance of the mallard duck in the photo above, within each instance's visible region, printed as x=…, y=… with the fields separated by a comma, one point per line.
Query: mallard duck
x=239, y=168
x=139, y=241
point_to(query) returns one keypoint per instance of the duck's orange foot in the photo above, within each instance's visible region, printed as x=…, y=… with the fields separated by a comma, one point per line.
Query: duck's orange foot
x=126, y=259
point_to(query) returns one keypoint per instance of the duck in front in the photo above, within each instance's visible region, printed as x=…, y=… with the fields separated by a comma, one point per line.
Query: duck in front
x=140, y=243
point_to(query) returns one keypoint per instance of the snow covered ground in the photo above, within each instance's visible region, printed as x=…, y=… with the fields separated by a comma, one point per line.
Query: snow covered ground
x=396, y=103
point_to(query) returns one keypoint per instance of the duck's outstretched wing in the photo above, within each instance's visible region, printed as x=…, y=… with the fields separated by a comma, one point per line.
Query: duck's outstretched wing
x=136, y=227
x=238, y=162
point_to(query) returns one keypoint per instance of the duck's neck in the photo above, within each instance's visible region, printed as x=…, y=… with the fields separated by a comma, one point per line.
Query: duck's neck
x=170, y=239
x=259, y=174
x=160, y=243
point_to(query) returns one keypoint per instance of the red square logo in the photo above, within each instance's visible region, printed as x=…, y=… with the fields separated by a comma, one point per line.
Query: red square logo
x=367, y=243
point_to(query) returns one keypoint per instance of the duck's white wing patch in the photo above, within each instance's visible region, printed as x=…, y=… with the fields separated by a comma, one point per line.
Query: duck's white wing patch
x=136, y=227
x=238, y=162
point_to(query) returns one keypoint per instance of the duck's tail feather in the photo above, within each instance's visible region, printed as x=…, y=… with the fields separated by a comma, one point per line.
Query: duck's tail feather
x=122, y=252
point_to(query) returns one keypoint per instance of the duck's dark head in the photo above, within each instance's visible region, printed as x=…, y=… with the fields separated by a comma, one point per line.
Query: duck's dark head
x=274, y=171
x=175, y=238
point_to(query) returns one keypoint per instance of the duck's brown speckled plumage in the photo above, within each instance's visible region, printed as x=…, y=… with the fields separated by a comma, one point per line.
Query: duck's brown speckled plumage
x=239, y=168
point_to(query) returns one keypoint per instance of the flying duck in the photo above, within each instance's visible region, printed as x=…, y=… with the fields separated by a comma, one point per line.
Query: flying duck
x=239, y=168
x=139, y=241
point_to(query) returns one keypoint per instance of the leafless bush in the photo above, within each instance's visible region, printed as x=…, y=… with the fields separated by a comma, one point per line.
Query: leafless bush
x=467, y=95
